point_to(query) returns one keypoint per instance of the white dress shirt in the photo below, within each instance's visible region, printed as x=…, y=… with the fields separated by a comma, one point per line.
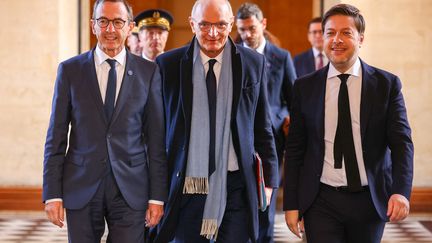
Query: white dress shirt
x=232, y=157
x=102, y=70
x=260, y=48
x=330, y=175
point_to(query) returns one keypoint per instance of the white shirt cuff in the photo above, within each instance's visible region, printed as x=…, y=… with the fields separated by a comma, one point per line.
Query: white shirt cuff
x=157, y=202
x=53, y=200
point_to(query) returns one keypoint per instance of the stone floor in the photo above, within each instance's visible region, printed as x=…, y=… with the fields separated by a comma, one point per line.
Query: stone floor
x=32, y=227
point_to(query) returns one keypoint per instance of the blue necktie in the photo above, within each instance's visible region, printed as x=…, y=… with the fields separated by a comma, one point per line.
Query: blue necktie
x=111, y=89
x=344, y=141
x=211, y=93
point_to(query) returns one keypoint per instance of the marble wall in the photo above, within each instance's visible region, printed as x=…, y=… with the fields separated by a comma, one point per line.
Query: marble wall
x=36, y=35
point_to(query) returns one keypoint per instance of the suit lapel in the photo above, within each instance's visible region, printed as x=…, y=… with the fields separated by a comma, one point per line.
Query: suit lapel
x=125, y=88
x=368, y=86
x=237, y=77
x=311, y=61
x=320, y=94
x=186, y=64
x=89, y=68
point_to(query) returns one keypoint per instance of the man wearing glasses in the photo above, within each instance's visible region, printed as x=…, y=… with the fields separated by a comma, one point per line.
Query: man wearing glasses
x=112, y=167
x=314, y=58
x=217, y=115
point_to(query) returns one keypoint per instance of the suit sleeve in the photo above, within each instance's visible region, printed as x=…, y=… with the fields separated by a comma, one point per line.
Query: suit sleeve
x=264, y=142
x=400, y=143
x=294, y=153
x=154, y=126
x=288, y=80
x=56, y=140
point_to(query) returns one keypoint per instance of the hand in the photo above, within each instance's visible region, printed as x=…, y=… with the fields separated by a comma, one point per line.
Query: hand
x=398, y=207
x=285, y=125
x=268, y=192
x=55, y=213
x=154, y=214
x=293, y=223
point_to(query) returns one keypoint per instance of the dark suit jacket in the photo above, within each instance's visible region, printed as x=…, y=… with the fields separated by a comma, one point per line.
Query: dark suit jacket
x=385, y=135
x=133, y=142
x=280, y=77
x=250, y=126
x=304, y=63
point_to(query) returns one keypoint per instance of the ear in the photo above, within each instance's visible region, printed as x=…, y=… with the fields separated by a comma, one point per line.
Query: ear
x=191, y=24
x=130, y=26
x=361, y=39
x=92, y=26
x=264, y=23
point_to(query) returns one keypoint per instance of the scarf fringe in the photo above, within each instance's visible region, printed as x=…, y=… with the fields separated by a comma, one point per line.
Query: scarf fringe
x=209, y=229
x=196, y=185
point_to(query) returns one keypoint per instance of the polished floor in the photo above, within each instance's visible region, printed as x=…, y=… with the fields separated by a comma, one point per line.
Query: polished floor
x=32, y=227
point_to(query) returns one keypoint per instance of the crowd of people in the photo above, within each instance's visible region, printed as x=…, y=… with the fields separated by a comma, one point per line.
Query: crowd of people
x=192, y=144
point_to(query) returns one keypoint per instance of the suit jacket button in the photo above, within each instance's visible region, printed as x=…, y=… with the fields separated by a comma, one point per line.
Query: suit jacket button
x=178, y=174
x=109, y=135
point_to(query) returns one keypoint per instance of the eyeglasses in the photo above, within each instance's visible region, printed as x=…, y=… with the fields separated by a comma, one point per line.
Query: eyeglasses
x=314, y=32
x=104, y=22
x=207, y=26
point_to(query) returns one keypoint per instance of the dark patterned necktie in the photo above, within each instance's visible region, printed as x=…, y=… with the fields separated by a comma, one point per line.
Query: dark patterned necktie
x=111, y=90
x=211, y=93
x=344, y=142
x=320, y=61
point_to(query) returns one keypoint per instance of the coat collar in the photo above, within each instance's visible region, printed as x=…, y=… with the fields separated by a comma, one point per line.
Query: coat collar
x=186, y=65
x=369, y=85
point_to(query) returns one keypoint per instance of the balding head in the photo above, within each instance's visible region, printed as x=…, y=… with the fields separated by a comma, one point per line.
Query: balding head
x=211, y=21
x=202, y=4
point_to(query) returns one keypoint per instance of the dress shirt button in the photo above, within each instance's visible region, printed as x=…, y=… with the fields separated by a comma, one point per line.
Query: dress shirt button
x=109, y=135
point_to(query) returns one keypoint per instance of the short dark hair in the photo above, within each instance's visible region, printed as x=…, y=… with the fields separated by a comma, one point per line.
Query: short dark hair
x=125, y=2
x=248, y=10
x=347, y=10
x=313, y=21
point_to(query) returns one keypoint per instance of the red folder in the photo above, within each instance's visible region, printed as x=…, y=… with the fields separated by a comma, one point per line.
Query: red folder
x=262, y=199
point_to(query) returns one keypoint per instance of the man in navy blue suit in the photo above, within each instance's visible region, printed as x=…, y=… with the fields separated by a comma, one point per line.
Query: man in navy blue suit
x=217, y=116
x=104, y=154
x=349, y=163
x=280, y=78
x=314, y=58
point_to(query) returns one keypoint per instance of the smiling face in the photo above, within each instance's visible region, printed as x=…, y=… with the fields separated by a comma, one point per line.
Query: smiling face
x=110, y=39
x=342, y=41
x=218, y=15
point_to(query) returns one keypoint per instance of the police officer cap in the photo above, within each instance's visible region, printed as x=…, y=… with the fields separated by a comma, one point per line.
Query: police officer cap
x=154, y=18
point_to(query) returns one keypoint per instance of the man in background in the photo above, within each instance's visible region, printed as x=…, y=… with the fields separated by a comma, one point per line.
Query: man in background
x=154, y=26
x=251, y=26
x=314, y=58
x=132, y=42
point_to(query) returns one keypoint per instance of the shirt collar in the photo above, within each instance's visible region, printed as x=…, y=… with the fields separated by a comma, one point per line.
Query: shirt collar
x=354, y=70
x=205, y=58
x=260, y=48
x=316, y=52
x=102, y=56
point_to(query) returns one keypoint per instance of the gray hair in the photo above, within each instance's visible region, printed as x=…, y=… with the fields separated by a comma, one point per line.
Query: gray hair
x=247, y=10
x=125, y=2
